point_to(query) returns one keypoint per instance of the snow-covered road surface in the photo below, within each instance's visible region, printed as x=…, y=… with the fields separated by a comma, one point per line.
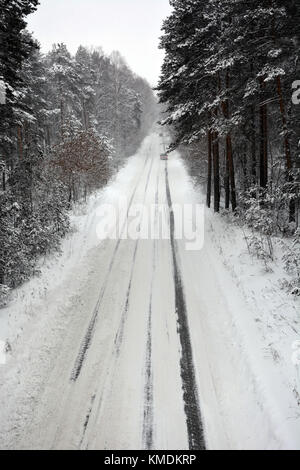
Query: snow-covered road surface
x=135, y=347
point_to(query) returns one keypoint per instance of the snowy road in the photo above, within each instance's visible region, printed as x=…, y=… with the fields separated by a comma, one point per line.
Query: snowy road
x=138, y=349
x=131, y=343
x=132, y=366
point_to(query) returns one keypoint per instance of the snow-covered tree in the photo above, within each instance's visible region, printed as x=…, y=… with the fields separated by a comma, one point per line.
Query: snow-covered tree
x=226, y=80
x=66, y=124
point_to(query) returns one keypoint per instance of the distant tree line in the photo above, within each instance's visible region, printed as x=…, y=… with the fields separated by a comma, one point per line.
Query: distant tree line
x=66, y=124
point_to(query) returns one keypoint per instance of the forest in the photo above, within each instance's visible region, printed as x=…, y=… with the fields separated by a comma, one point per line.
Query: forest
x=67, y=124
x=227, y=83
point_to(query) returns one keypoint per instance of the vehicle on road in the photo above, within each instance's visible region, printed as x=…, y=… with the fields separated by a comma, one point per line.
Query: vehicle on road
x=164, y=156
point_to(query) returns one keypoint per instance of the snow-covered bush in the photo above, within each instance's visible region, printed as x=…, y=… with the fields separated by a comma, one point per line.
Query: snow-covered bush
x=291, y=262
x=261, y=247
x=34, y=218
x=259, y=218
x=267, y=211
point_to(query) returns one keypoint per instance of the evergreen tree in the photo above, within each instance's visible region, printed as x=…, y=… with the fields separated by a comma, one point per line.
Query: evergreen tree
x=227, y=79
x=61, y=119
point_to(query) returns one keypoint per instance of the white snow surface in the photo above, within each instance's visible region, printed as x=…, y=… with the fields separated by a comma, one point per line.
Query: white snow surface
x=244, y=332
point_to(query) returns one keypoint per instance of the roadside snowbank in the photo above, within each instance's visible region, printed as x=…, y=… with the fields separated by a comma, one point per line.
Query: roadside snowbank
x=267, y=329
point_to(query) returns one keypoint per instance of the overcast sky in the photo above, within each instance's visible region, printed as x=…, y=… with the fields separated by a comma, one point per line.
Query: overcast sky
x=130, y=26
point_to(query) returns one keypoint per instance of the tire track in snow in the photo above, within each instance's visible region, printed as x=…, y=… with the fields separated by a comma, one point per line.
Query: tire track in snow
x=189, y=384
x=90, y=331
x=87, y=420
x=148, y=393
x=148, y=417
x=120, y=333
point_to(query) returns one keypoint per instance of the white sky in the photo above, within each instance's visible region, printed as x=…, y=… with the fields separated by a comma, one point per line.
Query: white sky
x=130, y=26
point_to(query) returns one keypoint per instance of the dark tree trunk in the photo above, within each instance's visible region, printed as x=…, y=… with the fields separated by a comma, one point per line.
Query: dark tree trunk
x=253, y=149
x=225, y=107
x=263, y=142
x=226, y=179
x=209, y=171
x=253, y=139
x=216, y=161
x=230, y=188
x=284, y=123
x=231, y=172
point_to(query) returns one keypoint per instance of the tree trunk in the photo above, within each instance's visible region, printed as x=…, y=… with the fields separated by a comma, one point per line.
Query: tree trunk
x=253, y=140
x=231, y=172
x=253, y=149
x=209, y=172
x=226, y=179
x=288, y=158
x=216, y=161
x=263, y=141
x=230, y=187
x=225, y=107
x=284, y=123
